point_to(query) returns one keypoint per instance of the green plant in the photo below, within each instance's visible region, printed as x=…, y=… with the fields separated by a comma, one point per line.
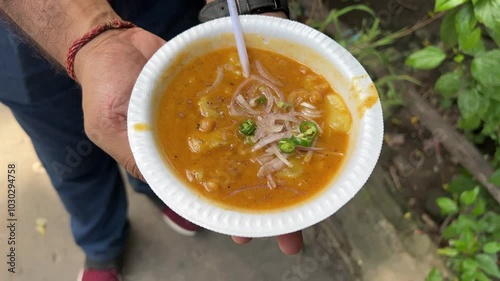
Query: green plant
x=373, y=48
x=473, y=61
x=473, y=236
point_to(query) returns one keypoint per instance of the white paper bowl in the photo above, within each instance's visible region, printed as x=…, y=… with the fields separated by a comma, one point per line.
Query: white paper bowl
x=292, y=39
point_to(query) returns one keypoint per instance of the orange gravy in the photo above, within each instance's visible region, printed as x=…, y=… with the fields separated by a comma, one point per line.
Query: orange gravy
x=201, y=142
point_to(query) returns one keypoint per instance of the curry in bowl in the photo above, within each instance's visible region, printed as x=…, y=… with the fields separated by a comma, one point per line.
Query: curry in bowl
x=266, y=142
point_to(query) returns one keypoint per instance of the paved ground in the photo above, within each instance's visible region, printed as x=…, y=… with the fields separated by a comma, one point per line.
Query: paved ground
x=156, y=253
x=367, y=240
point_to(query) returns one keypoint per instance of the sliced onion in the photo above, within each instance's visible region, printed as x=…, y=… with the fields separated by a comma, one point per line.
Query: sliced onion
x=270, y=85
x=263, y=160
x=263, y=72
x=303, y=148
x=269, y=139
x=284, y=117
x=307, y=105
x=252, y=89
x=243, y=189
x=241, y=101
x=311, y=115
x=240, y=89
x=308, y=156
x=274, y=149
x=270, y=168
x=270, y=99
x=270, y=182
x=294, y=190
x=218, y=79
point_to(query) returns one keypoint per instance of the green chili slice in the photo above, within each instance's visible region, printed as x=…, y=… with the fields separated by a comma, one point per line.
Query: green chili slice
x=309, y=129
x=248, y=127
x=261, y=100
x=283, y=105
x=302, y=141
x=286, y=146
x=249, y=140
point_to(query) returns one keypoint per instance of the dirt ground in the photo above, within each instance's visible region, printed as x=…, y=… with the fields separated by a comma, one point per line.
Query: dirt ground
x=368, y=240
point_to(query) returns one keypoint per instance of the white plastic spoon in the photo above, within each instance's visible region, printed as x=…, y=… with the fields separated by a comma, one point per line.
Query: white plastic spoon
x=238, y=35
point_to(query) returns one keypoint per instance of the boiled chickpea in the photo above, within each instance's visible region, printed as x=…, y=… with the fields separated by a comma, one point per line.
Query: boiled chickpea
x=212, y=185
x=207, y=125
x=315, y=97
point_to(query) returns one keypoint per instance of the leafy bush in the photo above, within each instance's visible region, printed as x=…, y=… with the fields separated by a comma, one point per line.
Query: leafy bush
x=474, y=78
x=474, y=234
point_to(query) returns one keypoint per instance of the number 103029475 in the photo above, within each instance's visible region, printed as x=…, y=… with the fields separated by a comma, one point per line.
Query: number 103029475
x=11, y=180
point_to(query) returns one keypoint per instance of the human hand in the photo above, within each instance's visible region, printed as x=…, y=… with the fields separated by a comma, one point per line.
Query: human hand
x=290, y=244
x=107, y=68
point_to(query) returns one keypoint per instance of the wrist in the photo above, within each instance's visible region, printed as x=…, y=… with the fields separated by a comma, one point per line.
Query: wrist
x=88, y=52
x=85, y=16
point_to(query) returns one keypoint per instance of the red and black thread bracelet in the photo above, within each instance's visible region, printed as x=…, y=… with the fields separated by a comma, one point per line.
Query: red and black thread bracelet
x=89, y=36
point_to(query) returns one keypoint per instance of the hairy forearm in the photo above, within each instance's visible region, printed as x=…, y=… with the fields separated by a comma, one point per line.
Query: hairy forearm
x=54, y=24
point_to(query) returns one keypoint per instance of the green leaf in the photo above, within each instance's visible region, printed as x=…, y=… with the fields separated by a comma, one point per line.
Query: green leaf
x=471, y=103
x=479, y=207
x=467, y=198
x=487, y=12
x=459, y=58
x=467, y=236
x=488, y=263
x=469, y=37
x=448, y=252
x=470, y=123
x=472, y=43
x=489, y=92
x=461, y=183
x=427, y=58
x=485, y=68
x=449, y=84
x=460, y=245
x=447, y=205
x=443, y=5
x=495, y=178
x=469, y=265
x=467, y=222
x=490, y=222
x=448, y=30
x=491, y=248
x=468, y=276
x=434, y=275
x=465, y=21
x=482, y=277
x=495, y=35
x=451, y=231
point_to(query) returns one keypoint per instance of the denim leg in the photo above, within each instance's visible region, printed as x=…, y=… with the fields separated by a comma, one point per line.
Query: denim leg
x=86, y=179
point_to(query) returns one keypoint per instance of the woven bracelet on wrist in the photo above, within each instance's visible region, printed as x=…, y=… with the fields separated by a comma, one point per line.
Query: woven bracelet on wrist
x=89, y=36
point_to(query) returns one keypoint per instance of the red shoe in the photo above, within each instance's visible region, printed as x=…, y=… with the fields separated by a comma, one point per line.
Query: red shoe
x=178, y=223
x=99, y=275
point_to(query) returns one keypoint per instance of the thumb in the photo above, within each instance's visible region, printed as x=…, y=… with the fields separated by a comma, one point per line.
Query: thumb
x=147, y=43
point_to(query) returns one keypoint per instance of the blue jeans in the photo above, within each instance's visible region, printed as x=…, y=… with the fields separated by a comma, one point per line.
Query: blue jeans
x=48, y=106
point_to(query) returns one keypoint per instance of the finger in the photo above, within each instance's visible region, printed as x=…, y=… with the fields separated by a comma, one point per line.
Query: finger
x=291, y=244
x=241, y=240
x=147, y=43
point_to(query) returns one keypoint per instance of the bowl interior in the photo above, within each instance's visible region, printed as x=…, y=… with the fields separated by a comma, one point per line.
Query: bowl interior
x=287, y=38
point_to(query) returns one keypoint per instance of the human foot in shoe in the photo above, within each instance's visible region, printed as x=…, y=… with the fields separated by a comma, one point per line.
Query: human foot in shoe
x=101, y=271
x=178, y=223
